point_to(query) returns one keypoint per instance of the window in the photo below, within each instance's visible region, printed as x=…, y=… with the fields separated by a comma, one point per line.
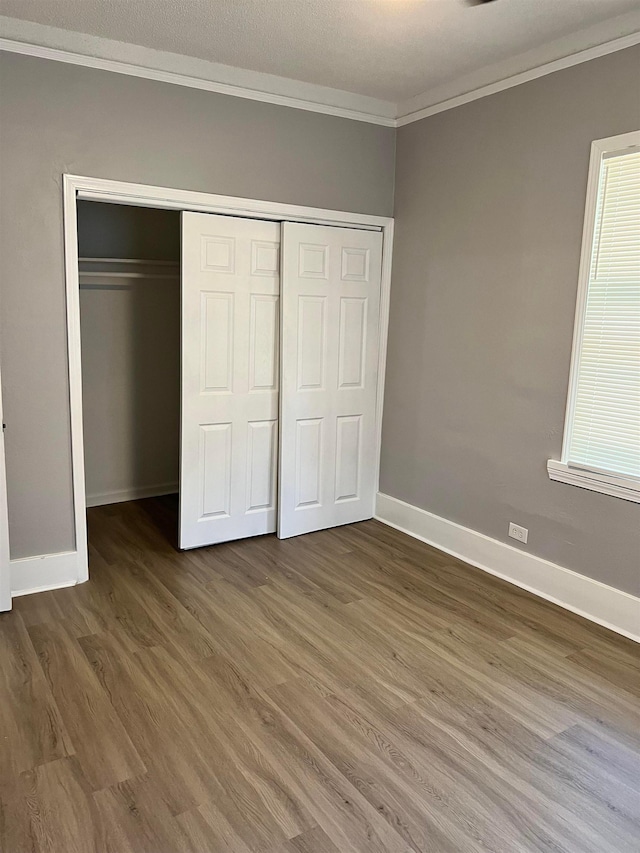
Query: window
x=601, y=448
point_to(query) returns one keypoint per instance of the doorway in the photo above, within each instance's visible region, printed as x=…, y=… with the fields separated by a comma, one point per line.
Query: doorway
x=129, y=283
x=129, y=263
x=306, y=327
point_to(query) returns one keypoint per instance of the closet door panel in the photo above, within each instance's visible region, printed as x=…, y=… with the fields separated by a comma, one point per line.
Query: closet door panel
x=216, y=341
x=330, y=305
x=229, y=407
x=264, y=343
x=262, y=459
x=215, y=468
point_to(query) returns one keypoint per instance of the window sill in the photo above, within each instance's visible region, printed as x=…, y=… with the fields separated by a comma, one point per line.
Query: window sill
x=607, y=484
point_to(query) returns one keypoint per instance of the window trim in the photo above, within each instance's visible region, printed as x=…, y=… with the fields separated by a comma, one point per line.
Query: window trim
x=559, y=470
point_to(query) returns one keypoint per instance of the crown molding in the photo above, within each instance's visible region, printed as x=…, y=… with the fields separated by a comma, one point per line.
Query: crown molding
x=608, y=37
x=31, y=39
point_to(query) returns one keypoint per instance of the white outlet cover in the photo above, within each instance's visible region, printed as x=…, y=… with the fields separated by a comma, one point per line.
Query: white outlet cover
x=518, y=532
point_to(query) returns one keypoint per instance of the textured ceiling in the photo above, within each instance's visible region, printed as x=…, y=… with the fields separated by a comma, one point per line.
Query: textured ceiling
x=389, y=49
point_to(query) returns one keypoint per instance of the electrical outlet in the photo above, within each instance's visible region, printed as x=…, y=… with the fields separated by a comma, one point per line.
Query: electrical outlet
x=519, y=533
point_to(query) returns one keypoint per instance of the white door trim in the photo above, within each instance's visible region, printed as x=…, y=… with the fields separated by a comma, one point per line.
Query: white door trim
x=99, y=189
x=5, y=568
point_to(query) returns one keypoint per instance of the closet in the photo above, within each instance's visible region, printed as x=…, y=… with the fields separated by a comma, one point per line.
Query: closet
x=129, y=276
x=262, y=345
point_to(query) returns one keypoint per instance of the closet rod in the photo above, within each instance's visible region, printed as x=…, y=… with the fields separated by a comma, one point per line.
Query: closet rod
x=107, y=274
x=149, y=262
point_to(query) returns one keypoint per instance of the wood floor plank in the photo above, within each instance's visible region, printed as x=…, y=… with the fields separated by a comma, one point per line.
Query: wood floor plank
x=584, y=692
x=387, y=791
x=59, y=809
x=602, y=750
x=226, y=563
x=160, y=725
x=209, y=831
x=466, y=656
x=412, y=583
x=134, y=819
x=269, y=793
x=164, y=618
x=235, y=633
x=339, y=808
x=474, y=790
x=547, y=821
x=387, y=674
x=539, y=770
x=100, y=742
x=312, y=570
x=452, y=778
x=34, y=609
x=313, y=841
x=507, y=604
x=620, y=670
x=33, y=731
x=351, y=690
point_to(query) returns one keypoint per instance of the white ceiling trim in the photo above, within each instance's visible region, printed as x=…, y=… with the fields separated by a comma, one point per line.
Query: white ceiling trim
x=408, y=113
x=191, y=82
x=31, y=39
x=45, y=42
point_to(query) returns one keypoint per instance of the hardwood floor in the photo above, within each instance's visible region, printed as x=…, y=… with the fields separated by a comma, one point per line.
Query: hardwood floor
x=350, y=690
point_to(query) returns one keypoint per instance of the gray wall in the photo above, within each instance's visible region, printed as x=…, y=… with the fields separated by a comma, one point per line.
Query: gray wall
x=130, y=352
x=57, y=118
x=489, y=210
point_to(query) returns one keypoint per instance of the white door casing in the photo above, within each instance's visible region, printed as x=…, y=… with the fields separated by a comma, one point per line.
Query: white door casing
x=90, y=188
x=230, y=373
x=330, y=310
x=5, y=568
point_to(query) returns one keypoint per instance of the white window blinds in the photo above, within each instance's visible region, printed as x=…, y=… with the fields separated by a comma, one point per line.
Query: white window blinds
x=605, y=424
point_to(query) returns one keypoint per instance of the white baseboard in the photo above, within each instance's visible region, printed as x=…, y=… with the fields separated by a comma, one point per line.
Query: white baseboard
x=596, y=601
x=39, y=574
x=132, y=494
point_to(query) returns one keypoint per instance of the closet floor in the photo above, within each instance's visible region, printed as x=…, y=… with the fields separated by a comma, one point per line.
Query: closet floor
x=349, y=690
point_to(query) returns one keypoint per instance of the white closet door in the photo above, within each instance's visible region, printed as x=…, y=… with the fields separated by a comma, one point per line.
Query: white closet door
x=230, y=343
x=330, y=340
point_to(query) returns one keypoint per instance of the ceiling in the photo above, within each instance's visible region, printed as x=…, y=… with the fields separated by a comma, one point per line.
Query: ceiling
x=387, y=49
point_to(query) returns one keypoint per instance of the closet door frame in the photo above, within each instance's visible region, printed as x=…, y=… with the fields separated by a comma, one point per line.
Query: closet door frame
x=77, y=188
x=5, y=569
